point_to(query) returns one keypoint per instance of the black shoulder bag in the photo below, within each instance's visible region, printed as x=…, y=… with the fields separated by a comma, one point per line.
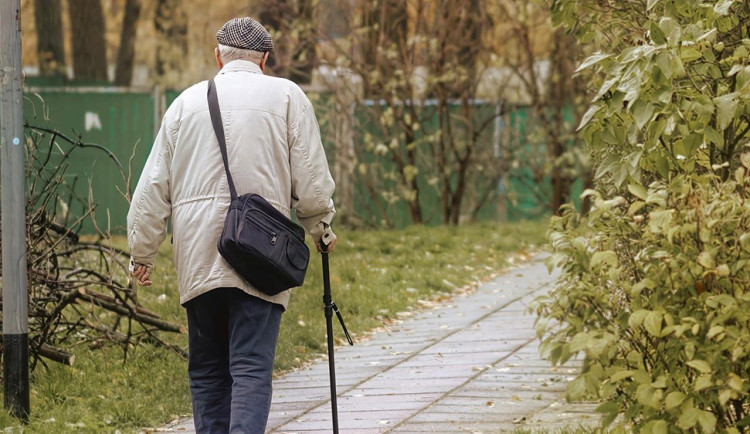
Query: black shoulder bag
x=262, y=245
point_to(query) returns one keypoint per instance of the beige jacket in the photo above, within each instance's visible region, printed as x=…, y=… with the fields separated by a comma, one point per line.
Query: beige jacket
x=275, y=150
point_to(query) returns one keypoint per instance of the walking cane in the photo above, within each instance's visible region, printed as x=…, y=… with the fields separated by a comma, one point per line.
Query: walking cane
x=330, y=308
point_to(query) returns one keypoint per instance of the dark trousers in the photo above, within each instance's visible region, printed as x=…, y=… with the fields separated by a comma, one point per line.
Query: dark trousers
x=232, y=343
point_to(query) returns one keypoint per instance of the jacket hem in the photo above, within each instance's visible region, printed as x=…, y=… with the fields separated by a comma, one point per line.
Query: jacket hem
x=282, y=299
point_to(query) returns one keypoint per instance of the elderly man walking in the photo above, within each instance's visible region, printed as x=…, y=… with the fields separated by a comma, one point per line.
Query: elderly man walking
x=275, y=150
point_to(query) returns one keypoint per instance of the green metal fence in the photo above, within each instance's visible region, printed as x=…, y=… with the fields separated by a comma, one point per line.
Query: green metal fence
x=124, y=121
x=121, y=121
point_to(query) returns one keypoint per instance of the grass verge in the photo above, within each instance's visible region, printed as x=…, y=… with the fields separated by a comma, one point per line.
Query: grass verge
x=376, y=278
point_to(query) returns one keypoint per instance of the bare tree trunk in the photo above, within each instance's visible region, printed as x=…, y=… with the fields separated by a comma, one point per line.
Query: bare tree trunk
x=415, y=205
x=346, y=91
x=126, y=54
x=50, y=42
x=89, y=47
x=561, y=94
x=275, y=16
x=471, y=24
x=170, y=22
x=345, y=161
x=304, y=58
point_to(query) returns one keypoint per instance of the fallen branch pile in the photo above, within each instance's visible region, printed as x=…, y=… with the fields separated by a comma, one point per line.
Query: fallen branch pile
x=79, y=291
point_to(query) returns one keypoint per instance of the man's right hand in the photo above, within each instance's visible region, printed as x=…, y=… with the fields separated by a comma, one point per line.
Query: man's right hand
x=329, y=239
x=142, y=273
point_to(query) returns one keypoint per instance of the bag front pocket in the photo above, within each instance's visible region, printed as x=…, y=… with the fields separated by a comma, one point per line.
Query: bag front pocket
x=255, y=232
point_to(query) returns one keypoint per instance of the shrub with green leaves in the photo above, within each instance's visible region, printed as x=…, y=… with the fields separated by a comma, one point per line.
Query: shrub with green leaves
x=655, y=293
x=655, y=284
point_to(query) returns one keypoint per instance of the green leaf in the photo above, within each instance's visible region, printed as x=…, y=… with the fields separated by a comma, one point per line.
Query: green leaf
x=593, y=60
x=577, y=388
x=726, y=109
x=604, y=258
x=652, y=323
x=735, y=382
x=655, y=427
x=637, y=317
x=735, y=69
x=671, y=29
x=660, y=220
x=648, y=396
x=642, y=377
x=692, y=143
x=678, y=66
x=722, y=8
x=743, y=78
x=608, y=407
x=606, y=86
x=638, y=191
x=637, y=289
x=642, y=113
x=664, y=61
x=608, y=419
x=621, y=375
x=579, y=342
x=690, y=54
x=713, y=331
x=650, y=4
x=660, y=383
x=745, y=160
x=619, y=429
x=662, y=165
x=704, y=381
x=724, y=396
x=596, y=347
x=657, y=35
x=714, y=136
x=707, y=421
x=673, y=400
x=709, y=35
x=706, y=260
x=700, y=365
x=688, y=418
x=745, y=421
x=588, y=115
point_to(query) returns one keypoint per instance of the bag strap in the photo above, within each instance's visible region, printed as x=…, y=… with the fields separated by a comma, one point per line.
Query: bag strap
x=213, y=108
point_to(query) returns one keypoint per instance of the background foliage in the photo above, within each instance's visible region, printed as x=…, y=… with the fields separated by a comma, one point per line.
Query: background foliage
x=655, y=286
x=436, y=137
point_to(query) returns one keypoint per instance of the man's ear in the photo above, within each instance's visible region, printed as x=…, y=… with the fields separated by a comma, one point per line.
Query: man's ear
x=217, y=54
x=263, y=61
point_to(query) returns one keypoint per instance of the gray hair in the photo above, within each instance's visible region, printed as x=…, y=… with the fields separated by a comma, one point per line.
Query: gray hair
x=228, y=54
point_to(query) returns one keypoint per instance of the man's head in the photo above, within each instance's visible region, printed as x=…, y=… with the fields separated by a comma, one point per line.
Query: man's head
x=243, y=39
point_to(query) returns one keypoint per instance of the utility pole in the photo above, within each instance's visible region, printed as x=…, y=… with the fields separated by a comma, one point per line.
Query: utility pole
x=15, y=290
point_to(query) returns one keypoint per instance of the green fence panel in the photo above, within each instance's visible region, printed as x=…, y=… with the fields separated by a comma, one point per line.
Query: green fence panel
x=124, y=122
x=121, y=122
x=517, y=196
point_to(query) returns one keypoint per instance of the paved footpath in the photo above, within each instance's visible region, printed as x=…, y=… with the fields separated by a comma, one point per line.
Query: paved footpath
x=470, y=365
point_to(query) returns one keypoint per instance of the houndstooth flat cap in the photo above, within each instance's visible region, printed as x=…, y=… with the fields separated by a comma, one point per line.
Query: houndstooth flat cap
x=245, y=33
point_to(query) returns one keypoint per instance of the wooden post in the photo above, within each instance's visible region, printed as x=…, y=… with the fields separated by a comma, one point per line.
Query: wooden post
x=15, y=291
x=348, y=90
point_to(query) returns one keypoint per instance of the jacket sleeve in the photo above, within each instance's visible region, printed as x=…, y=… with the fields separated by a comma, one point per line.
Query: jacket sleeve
x=151, y=205
x=312, y=183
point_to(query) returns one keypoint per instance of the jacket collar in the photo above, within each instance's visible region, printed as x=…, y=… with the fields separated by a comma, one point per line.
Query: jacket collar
x=241, y=66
